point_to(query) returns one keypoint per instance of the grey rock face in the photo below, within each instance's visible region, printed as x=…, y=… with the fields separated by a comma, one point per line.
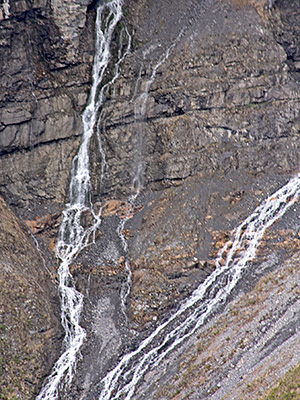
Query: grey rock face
x=206, y=108
x=30, y=331
x=70, y=17
x=216, y=103
x=43, y=91
x=218, y=133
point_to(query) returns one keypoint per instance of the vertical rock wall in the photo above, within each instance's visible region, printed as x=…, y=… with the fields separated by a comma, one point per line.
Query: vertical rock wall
x=46, y=51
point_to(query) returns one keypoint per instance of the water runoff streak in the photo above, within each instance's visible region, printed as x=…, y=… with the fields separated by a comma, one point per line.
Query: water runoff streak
x=138, y=167
x=73, y=236
x=121, y=382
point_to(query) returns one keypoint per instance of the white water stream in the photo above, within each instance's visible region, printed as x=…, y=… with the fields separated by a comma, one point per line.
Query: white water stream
x=138, y=165
x=73, y=236
x=121, y=382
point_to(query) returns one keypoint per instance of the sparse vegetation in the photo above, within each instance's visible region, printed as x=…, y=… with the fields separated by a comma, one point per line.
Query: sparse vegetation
x=288, y=387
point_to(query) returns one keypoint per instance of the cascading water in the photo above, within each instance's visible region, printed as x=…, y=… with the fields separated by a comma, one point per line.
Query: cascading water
x=121, y=382
x=125, y=288
x=73, y=236
x=138, y=163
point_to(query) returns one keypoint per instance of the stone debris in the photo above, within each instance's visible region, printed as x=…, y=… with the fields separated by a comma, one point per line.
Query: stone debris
x=40, y=224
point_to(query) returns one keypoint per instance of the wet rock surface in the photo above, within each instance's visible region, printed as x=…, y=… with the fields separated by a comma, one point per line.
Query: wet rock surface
x=243, y=351
x=218, y=133
x=206, y=114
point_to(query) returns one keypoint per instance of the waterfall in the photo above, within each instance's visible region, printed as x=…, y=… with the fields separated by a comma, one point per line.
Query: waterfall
x=126, y=286
x=138, y=162
x=73, y=235
x=121, y=382
x=140, y=114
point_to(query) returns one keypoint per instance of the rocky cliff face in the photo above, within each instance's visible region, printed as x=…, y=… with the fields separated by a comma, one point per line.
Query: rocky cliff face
x=219, y=132
x=204, y=117
x=45, y=75
x=45, y=78
x=29, y=329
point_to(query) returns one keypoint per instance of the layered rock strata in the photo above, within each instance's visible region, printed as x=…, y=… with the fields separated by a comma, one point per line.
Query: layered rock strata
x=204, y=119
